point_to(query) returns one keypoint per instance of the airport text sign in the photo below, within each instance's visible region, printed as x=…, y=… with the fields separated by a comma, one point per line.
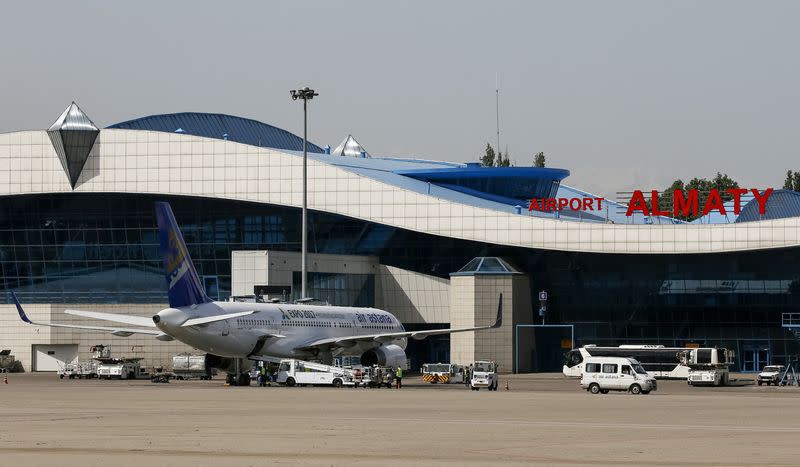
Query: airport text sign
x=682, y=203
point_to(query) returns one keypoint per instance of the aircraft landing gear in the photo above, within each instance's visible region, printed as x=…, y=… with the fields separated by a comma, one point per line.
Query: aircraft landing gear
x=240, y=380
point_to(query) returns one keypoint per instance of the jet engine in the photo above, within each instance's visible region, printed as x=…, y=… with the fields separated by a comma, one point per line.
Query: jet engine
x=385, y=355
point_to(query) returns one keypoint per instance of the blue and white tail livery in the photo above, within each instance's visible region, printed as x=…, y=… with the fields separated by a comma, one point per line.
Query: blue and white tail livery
x=183, y=284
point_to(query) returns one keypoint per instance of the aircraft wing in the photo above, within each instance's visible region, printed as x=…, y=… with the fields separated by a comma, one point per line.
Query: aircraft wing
x=117, y=330
x=215, y=318
x=125, y=319
x=350, y=341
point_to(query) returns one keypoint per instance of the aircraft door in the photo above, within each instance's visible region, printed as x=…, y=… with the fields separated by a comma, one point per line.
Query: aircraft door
x=226, y=327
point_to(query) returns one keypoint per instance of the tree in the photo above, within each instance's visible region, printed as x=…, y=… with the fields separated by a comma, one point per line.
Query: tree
x=796, y=181
x=720, y=182
x=788, y=184
x=488, y=158
x=723, y=182
x=503, y=162
x=665, y=199
x=538, y=160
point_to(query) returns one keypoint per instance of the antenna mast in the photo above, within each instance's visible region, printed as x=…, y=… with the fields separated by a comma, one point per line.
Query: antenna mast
x=497, y=106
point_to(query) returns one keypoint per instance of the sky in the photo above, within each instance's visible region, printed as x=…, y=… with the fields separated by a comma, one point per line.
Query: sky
x=626, y=95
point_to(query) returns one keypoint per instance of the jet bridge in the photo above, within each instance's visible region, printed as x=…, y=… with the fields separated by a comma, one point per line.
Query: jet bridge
x=791, y=321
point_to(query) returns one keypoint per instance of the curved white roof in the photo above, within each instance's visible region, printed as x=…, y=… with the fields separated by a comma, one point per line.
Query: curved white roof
x=135, y=161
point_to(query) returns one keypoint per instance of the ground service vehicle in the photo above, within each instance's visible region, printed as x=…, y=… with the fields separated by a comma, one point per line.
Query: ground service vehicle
x=121, y=369
x=293, y=372
x=707, y=377
x=484, y=375
x=376, y=377
x=188, y=366
x=771, y=374
x=86, y=370
x=707, y=367
x=659, y=361
x=442, y=373
x=9, y=363
x=603, y=374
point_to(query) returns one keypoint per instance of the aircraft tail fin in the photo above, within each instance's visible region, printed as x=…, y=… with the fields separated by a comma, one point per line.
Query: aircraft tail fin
x=183, y=283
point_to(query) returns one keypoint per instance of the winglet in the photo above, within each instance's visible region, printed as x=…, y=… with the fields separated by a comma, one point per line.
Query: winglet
x=21, y=312
x=499, y=321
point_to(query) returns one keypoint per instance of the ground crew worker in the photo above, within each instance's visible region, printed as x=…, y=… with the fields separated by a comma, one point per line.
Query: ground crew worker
x=467, y=375
x=398, y=377
x=262, y=375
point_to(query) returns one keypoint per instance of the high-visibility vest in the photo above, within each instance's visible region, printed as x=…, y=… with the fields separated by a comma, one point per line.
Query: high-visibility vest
x=399, y=372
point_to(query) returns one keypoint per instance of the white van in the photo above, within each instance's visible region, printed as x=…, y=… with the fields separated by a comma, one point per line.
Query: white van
x=292, y=372
x=603, y=374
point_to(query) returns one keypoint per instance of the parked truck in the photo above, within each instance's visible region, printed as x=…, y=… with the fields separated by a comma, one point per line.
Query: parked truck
x=188, y=366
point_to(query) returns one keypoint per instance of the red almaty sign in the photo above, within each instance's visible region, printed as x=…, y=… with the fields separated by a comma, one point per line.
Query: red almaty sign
x=683, y=204
x=689, y=203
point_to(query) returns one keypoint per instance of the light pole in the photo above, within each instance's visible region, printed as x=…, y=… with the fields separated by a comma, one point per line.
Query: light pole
x=306, y=94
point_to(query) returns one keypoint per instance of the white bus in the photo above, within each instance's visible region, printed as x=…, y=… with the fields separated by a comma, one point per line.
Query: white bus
x=659, y=361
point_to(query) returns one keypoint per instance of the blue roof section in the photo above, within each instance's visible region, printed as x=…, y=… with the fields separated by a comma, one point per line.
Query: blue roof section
x=511, y=185
x=385, y=169
x=220, y=126
x=780, y=205
x=444, y=174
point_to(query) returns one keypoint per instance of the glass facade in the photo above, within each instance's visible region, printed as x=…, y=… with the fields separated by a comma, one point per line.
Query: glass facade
x=79, y=248
x=337, y=289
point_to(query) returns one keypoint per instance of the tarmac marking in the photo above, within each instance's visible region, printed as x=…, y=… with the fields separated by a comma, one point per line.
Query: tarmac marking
x=736, y=428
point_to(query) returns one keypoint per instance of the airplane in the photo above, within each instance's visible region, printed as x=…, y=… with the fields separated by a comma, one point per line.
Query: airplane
x=234, y=334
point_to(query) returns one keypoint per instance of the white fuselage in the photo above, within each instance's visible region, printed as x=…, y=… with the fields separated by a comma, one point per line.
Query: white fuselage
x=299, y=325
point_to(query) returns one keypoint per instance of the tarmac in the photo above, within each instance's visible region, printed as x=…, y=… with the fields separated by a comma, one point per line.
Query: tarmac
x=543, y=419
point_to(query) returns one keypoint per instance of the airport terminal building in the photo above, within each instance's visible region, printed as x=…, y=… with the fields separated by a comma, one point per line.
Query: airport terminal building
x=435, y=243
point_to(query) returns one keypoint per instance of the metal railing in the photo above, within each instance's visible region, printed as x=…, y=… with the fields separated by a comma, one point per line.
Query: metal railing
x=790, y=319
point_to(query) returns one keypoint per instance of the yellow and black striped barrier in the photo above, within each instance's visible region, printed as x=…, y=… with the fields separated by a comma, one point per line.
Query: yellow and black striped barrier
x=432, y=378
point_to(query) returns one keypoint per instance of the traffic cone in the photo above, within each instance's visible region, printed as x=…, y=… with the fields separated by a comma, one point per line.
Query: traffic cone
x=507, y=388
